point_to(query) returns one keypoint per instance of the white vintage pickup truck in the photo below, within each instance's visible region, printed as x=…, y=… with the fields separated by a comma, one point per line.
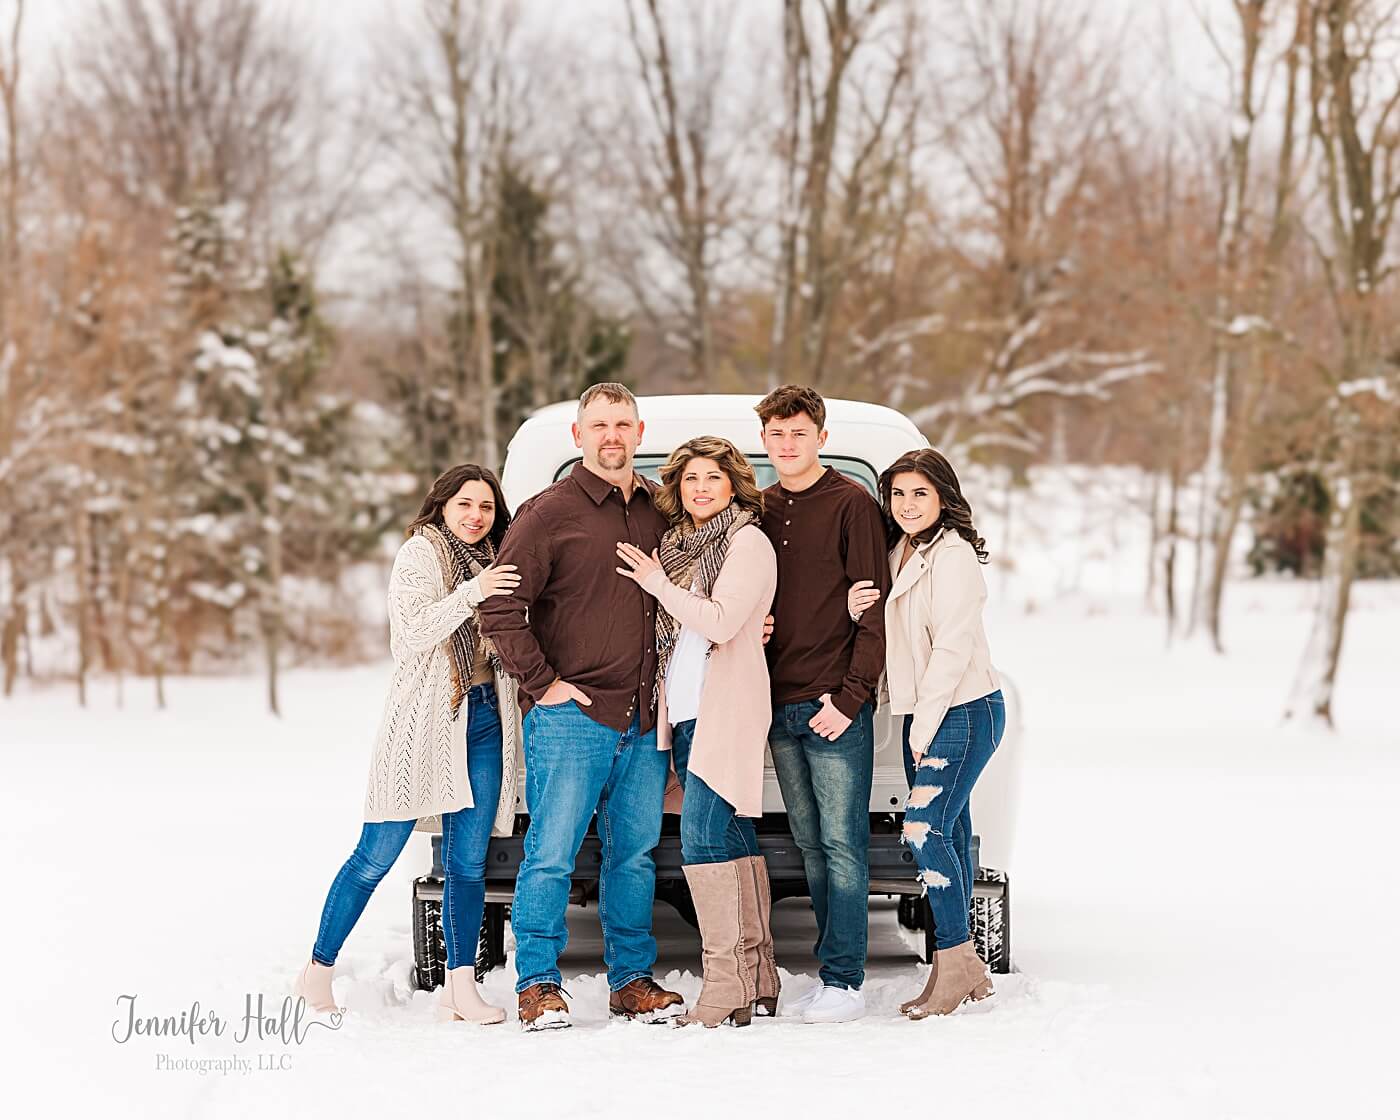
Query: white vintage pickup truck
x=864, y=439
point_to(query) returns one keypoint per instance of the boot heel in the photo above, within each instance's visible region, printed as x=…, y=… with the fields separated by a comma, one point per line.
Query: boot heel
x=447, y=1015
x=982, y=991
x=741, y=1016
x=766, y=1005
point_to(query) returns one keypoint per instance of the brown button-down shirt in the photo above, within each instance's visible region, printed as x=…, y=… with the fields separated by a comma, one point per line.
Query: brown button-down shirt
x=585, y=623
x=826, y=537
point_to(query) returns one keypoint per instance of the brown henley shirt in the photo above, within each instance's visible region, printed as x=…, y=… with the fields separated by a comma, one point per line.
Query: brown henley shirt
x=585, y=623
x=826, y=537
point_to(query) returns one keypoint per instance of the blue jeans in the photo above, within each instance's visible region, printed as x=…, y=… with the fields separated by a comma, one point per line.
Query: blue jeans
x=465, y=836
x=826, y=790
x=938, y=817
x=711, y=832
x=575, y=767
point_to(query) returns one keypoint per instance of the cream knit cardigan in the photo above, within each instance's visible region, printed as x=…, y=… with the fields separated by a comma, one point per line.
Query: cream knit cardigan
x=419, y=766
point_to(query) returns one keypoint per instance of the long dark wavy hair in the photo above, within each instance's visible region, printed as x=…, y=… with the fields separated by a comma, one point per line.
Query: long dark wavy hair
x=956, y=513
x=445, y=488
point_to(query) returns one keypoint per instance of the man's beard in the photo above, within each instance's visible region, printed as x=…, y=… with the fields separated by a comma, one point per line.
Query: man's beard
x=612, y=457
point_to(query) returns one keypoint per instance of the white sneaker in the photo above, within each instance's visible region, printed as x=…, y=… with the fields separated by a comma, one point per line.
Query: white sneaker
x=798, y=1004
x=835, y=1005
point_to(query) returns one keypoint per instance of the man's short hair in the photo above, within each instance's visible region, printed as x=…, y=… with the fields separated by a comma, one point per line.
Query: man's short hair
x=786, y=401
x=611, y=391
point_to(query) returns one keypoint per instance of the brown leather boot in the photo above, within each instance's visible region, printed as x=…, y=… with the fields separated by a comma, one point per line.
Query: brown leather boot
x=728, y=992
x=645, y=1001
x=756, y=905
x=959, y=975
x=542, y=1008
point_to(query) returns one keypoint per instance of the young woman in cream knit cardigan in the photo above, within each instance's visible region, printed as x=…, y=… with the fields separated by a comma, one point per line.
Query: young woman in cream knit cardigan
x=939, y=676
x=446, y=743
x=714, y=578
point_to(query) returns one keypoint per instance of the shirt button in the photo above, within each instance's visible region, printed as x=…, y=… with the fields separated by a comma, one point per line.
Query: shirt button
x=787, y=522
x=784, y=542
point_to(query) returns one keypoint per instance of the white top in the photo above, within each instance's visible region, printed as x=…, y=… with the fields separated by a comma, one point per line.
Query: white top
x=685, y=676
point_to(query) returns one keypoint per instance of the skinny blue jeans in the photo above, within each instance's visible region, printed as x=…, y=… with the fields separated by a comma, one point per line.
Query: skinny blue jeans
x=465, y=836
x=576, y=767
x=711, y=831
x=938, y=816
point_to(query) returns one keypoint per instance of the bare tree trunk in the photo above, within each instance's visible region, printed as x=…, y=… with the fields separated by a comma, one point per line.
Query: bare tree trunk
x=12, y=584
x=1355, y=141
x=1311, y=697
x=271, y=610
x=1173, y=530
x=1154, y=540
x=482, y=281
x=680, y=170
x=1223, y=516
x=1250, y=14
x=789, y=215
x=82, y=548
x=124, y=616
x=158, y=654
x=13, y=626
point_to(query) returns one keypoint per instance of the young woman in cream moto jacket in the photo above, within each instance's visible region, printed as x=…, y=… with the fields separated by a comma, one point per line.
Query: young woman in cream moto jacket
x=939, y=677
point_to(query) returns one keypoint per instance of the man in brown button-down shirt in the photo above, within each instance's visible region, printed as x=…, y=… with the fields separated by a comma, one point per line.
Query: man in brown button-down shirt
x=581, y=640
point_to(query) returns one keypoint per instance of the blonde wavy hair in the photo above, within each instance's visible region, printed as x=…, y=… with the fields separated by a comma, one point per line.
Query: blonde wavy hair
x=731, y=461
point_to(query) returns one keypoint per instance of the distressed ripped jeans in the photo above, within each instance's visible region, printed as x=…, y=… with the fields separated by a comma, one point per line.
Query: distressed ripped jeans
x=938, y=817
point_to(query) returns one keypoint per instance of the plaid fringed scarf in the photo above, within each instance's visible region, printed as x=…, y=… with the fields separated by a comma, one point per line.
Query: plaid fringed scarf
x=461, y=562
x=693, y=558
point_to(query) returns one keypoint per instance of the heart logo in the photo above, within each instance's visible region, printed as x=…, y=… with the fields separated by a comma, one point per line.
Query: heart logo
x=336, y=1018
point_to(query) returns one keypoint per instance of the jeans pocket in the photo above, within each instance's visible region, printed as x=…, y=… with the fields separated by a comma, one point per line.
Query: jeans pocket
x=954, y=733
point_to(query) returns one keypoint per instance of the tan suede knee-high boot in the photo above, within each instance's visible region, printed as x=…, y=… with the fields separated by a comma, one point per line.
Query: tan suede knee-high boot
x=758, y=934
x=727, y=994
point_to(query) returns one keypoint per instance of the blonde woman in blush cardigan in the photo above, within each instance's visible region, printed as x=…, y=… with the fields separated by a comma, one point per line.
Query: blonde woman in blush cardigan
x=447, y=740
x=714, y=578
x=939, y=676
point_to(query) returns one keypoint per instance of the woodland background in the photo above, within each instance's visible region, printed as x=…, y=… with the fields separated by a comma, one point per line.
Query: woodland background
x=252, y=298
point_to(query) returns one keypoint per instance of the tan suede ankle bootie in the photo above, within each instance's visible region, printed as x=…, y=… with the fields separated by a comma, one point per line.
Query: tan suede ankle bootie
x=959, y=975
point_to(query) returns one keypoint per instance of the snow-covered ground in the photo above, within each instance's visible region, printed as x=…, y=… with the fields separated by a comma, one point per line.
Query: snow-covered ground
x=1204, y=901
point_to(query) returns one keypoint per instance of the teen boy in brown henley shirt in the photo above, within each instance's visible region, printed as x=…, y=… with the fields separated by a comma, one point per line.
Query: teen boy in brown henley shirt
x=825, y=669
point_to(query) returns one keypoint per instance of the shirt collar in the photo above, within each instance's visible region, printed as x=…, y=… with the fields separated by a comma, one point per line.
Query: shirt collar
x=825, y=478
x=598, y=488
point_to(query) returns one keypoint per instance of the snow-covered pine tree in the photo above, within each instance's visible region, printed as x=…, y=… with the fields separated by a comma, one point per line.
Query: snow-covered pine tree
x=274, y=486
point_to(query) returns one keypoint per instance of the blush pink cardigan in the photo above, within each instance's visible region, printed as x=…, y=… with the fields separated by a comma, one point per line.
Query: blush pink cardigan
x=731, y=731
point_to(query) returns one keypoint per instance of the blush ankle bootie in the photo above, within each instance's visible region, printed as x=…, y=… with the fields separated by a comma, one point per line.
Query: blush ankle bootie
x=462, y=1003
x=314, y=985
